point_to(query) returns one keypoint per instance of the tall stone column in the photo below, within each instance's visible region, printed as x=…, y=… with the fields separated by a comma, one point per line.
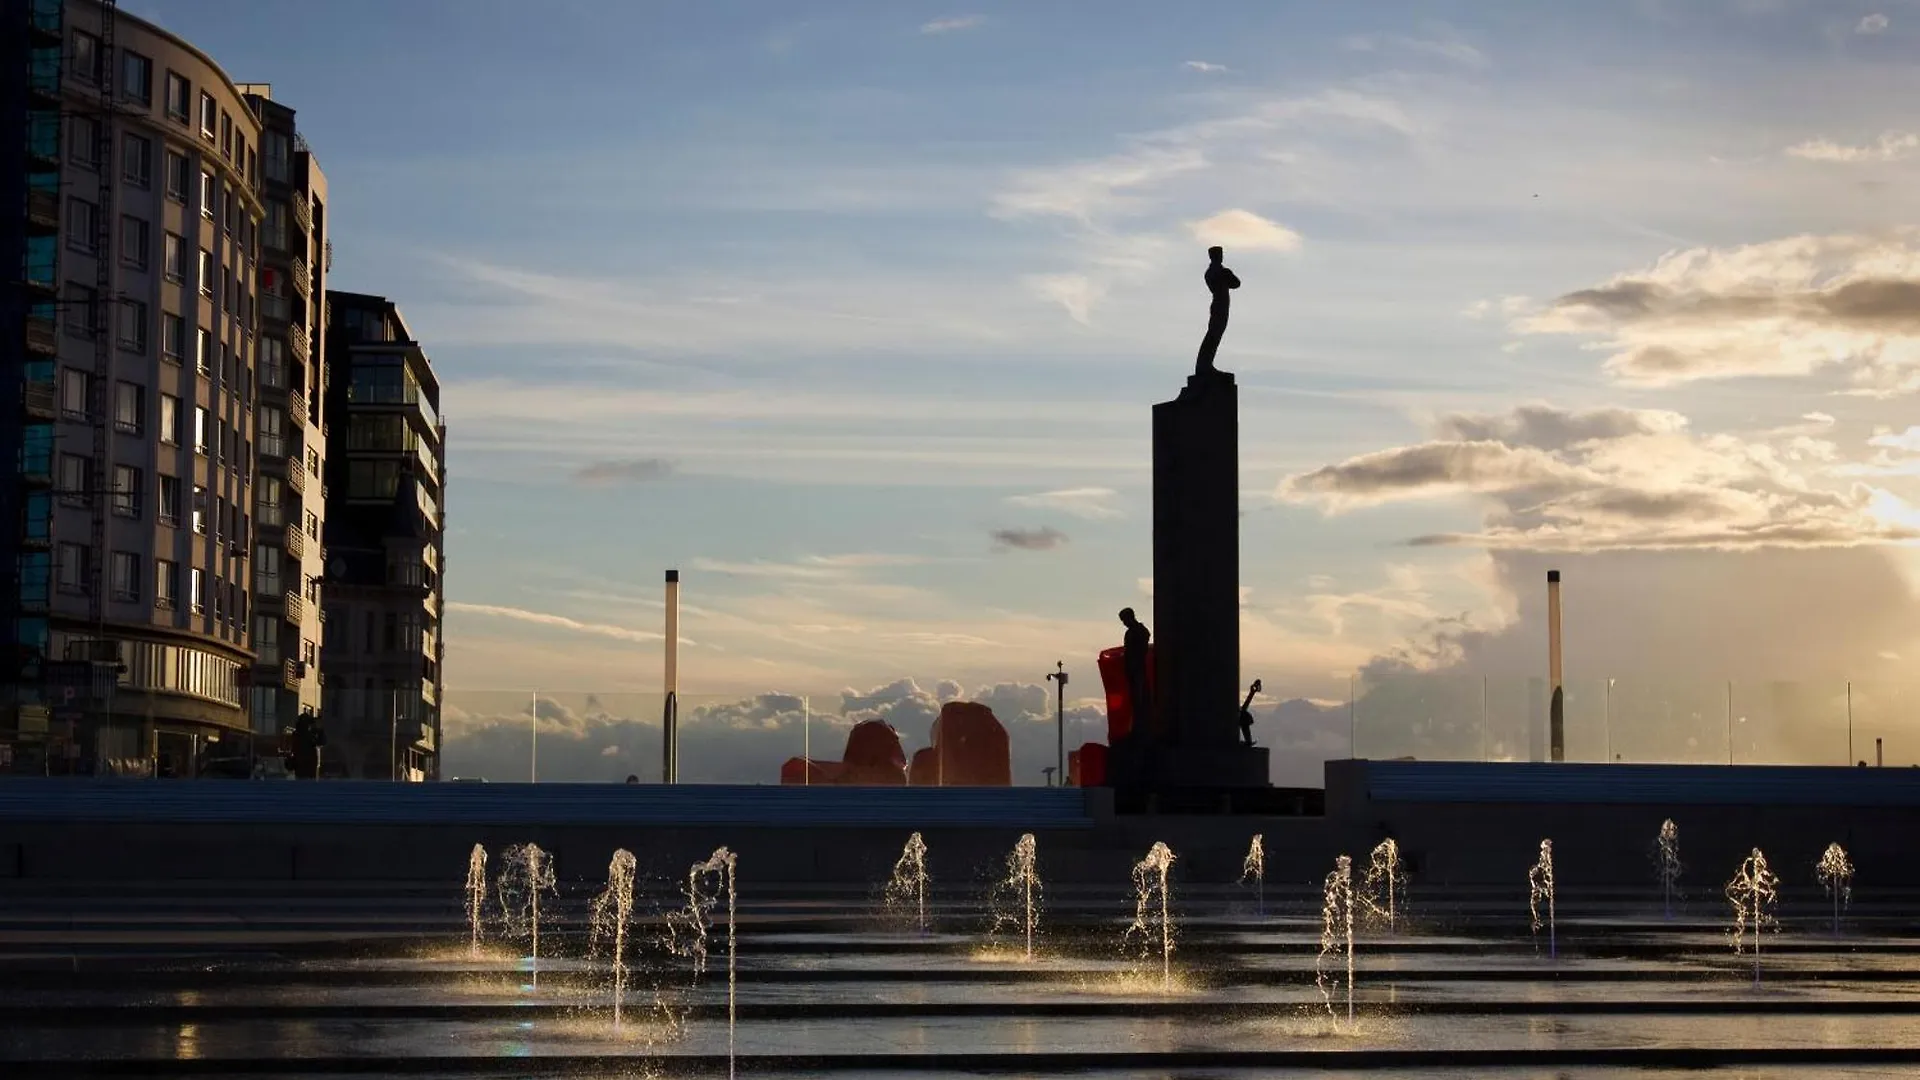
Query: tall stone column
x=1196, y=562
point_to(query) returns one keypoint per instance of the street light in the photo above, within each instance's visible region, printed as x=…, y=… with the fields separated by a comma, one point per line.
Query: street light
x=1059, y=676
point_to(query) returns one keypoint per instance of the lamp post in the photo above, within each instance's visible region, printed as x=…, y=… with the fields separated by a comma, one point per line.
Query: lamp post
x=1059, y=677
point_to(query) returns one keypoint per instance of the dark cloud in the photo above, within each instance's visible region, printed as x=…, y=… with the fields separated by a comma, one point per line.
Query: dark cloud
x=1044, y=539
x=1545, y=427
x=629, y=471
x=1471, y=466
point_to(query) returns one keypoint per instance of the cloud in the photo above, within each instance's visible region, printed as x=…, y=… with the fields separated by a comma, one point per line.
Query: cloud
x=1611, y=479
x=1044, y=539
x=1077, y=293
x=1508, y=306
x=1890, y=146
x=1782, y=308
x=1872, y=24
x=558, y=622
x=633, y=471
x=809, y=567
x=1448, y=47
x=952, y=24
x=1244, y=229
x=1088, y=502
x=1205, y=67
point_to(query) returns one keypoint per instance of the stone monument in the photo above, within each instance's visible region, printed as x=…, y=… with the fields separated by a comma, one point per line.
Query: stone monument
x=1190, y=737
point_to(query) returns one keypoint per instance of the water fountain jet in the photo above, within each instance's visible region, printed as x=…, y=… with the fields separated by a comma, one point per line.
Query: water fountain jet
x=910, y=880
x=1385, y=881
x=1835, y=873
x=1254, y=870
x=1667, y=861
x=1149, y=885
x=1540, y=888
x=1754, y=893
x=528, y=875
x=1015, y=898
x=476, y=898
x=611, y=915
x=1336, y=932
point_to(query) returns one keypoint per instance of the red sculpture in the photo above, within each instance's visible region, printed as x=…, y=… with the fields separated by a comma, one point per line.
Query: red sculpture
x=1087, y=766
x=874, y=758
x=970, y=749
x=1120, y=706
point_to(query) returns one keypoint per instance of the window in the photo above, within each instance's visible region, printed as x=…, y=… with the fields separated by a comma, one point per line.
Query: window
x=133, y=325
x=86, y=57
x=173, y=259
x=73, y=568
x=268, y=507
x=136, y=76
x=179, y=93
x=206, y=272
x=313, y=461
x=133, y=242
x=208, y=112
x=313, y=525
x=83, y=309
x=136, y=160
x=129, y=408
x=83, y=141
x=73, y=480
x=173, y=336
x=126, y=491
x=200, y=429
x=220, y=519
x=226, y=134
x=83, y=225
x=272, y=431
x=194, y=591
x=166, y=583
x=176, y=176
x=227, y=297
x=209, y=191
x=126, y=576
x=273, y=363
x=170, y=419
x=273, y=146
x=387, y=624
x=76, y=393
x=199, y=509
x=252, y=177
x=226, y=447
x=240, y=154
x=203, y=350
x=266, y=569
x=169, y=509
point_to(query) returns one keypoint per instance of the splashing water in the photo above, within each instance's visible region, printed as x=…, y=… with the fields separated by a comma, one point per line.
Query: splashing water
x=1015, y=900
x=1754, y=893
x=1540, y=888
x=1835, y=873
x=1254, y=870
x=527, y=876
x=910, y=880
x=476, y=898
x=1149, y=886
x=1385, y=884
x=1666, y=856
x=706, y=883
x=1336, y=933
x=611, y=914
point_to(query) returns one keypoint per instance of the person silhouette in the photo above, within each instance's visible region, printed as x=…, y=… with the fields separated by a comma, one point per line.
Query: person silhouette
x=1135, y=661
x=1220, y=282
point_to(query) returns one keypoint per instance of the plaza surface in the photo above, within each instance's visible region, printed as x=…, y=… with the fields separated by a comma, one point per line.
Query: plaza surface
x=366, y=979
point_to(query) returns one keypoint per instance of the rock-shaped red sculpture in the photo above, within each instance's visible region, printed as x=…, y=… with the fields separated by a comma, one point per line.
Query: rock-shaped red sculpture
x=970, y=749
x=1121, y=711
x=874, y=755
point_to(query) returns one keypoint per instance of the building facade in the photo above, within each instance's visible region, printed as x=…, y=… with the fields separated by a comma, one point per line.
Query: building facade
x=289, y=508
x=382, y=655
x=130, y=366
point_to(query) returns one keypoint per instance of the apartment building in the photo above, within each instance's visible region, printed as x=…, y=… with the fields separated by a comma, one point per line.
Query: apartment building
x=382, y=653
x=132, y=220
x=289, y=508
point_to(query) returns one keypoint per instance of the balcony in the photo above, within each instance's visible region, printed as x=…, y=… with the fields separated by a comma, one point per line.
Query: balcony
x=296, y=543
x=297, y=406
x=296, y=607
x=41, y=401
x=276, y=308
x=43, y=336
x=297, y=341
x=290, y=672
x=301, y=213
x=302, y=277
x=43, y=209
x=296, y=475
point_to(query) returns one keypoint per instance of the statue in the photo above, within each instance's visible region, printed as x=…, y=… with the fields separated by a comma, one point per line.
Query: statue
x=1246, y=714
x=1135, y=658
x=1219, y=281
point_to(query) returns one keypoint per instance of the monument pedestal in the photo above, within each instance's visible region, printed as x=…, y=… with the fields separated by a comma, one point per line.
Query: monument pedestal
x=1191, y=739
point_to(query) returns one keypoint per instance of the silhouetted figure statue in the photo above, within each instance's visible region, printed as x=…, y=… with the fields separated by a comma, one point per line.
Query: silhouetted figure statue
x=1135, y=658
x=1246, y=714
x=1220, y=281
x=303, y=758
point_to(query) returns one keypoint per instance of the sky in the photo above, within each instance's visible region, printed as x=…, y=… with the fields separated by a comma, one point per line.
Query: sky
x=854, y=313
